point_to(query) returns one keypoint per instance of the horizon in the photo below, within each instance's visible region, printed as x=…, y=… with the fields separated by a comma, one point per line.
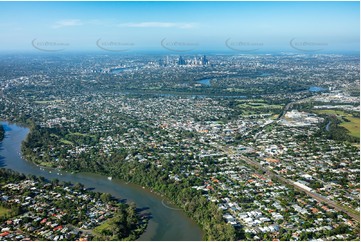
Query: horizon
x=180, y=27
x=169, y=53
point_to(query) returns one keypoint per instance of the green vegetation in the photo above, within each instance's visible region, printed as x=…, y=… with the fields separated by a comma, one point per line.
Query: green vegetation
x=74, y=138
x=80, y=134
x=154, y=127
x=258, y=106
x=331, y=112
x=67, y=142
x=268, y=128
x=5, y=212
x=123, y=226
x=345, y=120
x=146, y=174
x=82, y=209
x=353, y=126
x=206, y=214
x=45, y=164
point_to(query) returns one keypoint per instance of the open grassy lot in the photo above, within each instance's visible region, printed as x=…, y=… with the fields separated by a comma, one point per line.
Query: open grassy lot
x=352, y=124
x=105, y=230
x=54, y=135
x=67, y=142
x=258, y=106
x=253, y=105
x=331, y=112
x=105, y=226
x=80, y=134
x=4, y=211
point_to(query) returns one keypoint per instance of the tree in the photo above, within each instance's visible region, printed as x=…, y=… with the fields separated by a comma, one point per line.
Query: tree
x=105, y=197
x=78, y=186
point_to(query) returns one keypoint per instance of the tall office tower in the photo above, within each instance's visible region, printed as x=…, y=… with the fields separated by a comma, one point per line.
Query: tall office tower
x=204, y=60
x=181, y=61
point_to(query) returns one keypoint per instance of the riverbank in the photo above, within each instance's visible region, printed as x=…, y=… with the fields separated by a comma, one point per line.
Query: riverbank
x=165, y=224
x=62, y=211
x=194, y=204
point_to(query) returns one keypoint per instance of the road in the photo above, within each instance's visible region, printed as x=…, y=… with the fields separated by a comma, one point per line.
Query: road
x=290, y=105
x=286, y=108
x=312, y=194
x=269, y=173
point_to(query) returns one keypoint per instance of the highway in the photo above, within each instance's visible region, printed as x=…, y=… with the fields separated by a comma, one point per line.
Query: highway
x=286, y=108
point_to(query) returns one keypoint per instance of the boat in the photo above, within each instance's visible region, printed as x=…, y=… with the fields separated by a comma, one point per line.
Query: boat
x=110, y=178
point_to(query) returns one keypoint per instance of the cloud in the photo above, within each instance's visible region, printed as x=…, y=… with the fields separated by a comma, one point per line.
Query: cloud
x=67, y=23
x=77, y=22
x=158, y=25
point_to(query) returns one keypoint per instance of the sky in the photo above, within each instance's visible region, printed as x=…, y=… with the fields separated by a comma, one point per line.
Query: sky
x=180, y=26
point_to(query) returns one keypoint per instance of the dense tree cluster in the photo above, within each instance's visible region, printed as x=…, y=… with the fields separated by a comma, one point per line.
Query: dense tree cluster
x=123, y=225
x=205, y=213
x=335, y=131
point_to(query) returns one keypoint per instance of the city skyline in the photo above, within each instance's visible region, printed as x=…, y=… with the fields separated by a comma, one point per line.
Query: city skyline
x=180, y=27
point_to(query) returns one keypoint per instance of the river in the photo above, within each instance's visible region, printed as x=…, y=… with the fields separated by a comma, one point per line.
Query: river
x=119, y=70
x=316, y=89
x=167, y=222
x=328, y=126
x=206, y=82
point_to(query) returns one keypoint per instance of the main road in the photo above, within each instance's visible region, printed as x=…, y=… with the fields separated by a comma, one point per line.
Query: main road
x=315, y=195
x=269, y=173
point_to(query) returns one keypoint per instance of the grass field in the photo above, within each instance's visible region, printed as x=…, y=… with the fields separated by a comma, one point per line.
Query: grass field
x=253, y=105
x=45, y=164
x=275, y=116
x=67, y=142
x=331, y=112
x=80, y=134
x=104, y=226
x=353, y=126
x=258, y=106
x=104, y=230
x=4, y=211
x=70, y=136
x=251, y=100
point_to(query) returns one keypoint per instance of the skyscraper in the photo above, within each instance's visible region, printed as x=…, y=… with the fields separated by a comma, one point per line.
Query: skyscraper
x=204, y=60
x=181, y=61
